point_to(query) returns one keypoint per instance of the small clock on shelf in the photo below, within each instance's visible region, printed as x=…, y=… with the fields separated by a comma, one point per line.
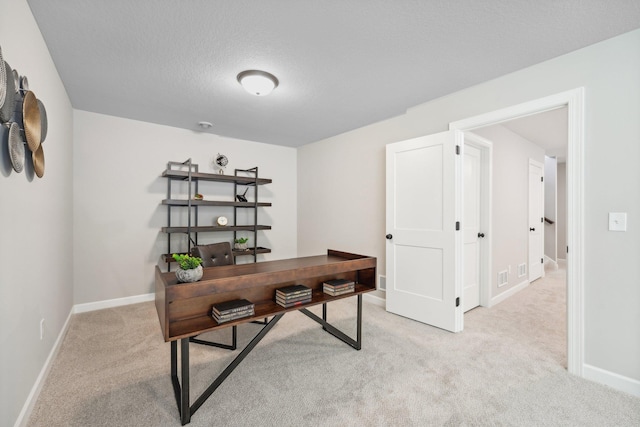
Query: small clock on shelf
x=222, y=221
x=220, y=161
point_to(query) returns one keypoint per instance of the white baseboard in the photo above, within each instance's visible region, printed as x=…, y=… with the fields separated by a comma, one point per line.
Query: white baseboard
x=551, y=262
x=25, y=413
x=611, y=379
x=509, y=292
x=23, y=418
x=375, y=300
x=117, y=302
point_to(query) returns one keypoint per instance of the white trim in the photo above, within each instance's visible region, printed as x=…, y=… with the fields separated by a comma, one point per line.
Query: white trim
x=611, y=379
x=508, y=293
x=574, y=101
x=27, y=408
x=459, y=241
x=486, y=191
x=550, y=261
x=117, y=302
x=540, y=251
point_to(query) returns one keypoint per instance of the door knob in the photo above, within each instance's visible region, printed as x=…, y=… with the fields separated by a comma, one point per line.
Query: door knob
x=532, y=229
x=481, y=235
x=389, y=236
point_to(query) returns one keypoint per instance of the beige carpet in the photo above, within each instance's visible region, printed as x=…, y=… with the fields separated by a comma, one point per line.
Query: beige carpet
x=507, y=368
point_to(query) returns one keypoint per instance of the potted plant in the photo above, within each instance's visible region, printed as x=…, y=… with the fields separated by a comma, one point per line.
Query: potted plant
x=241, y=243
x=190, y=268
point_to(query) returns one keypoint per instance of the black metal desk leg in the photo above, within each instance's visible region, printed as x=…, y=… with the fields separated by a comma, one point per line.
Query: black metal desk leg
x=234, y=338
x=359, y=327
x=324, y=315
x=185, y=410
x=357, y=343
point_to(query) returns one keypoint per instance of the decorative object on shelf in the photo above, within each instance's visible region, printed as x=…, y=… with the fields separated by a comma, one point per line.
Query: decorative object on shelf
x=241, y=243
x=257, y=82
x=242, y=197
x=198, y=196
x=190, y=269
x=222, y=221
x=221, y=161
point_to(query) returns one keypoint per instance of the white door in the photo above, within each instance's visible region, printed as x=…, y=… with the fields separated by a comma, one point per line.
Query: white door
x=424, y=249
x=536, y=218
x=471, y=228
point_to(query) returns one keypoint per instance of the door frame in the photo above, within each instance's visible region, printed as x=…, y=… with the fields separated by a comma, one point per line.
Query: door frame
x=534, y=162
x=574, y=101
x=486, y=200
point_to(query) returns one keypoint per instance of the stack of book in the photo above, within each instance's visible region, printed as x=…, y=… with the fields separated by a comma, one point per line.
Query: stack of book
x=338, y=287
x=293, y=295
x=232, y=310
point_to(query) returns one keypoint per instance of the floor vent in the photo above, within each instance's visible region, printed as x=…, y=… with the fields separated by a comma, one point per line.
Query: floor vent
x=503, y=278
x=382, y=283
x=522, y=270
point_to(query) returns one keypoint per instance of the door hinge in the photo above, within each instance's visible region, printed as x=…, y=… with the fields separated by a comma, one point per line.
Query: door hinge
x=457, y=225
x=542, y=179
x=457, y=149
x=458, y=302
x=567, y=249
x=541, y=261
x=541, y=219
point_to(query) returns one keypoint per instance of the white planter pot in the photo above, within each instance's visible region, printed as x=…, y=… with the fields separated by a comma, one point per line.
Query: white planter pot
x=240, y=246
x=187, y=276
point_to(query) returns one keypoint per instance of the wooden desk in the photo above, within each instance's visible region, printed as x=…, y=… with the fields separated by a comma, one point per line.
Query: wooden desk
x=184, y=309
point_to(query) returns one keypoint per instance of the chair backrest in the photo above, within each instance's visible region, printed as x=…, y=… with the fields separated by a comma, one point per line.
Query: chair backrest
x=215, y=254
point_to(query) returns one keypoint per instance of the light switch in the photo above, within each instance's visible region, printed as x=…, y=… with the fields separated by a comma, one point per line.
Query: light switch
x=617, y=221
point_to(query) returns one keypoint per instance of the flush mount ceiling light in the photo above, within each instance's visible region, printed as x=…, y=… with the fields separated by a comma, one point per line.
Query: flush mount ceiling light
x=205, y=125
x=256, y=82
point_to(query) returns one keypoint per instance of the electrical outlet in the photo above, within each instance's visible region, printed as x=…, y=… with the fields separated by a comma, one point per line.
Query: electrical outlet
x=41, y=328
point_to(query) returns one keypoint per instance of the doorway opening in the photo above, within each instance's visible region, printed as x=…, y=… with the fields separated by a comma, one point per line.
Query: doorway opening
x=574, y=102
x=527, y=212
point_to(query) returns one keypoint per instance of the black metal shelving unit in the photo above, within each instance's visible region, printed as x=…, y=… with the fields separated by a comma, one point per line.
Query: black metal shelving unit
x=188, y=172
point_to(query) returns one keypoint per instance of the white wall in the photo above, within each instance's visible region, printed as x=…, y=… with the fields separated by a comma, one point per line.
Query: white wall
x=118, y=191
x=510, y=206
x=35, y=222
x=341, y=181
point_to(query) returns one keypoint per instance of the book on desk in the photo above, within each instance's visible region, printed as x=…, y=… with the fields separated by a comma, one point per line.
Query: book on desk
x=293, y=295
x=337, y=287
x=231, y=310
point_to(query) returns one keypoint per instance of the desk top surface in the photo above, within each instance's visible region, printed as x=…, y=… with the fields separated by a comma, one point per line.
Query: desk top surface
x=267, y=267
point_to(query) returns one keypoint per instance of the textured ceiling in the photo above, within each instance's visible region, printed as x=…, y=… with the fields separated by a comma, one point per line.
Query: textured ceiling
x=341, y=64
